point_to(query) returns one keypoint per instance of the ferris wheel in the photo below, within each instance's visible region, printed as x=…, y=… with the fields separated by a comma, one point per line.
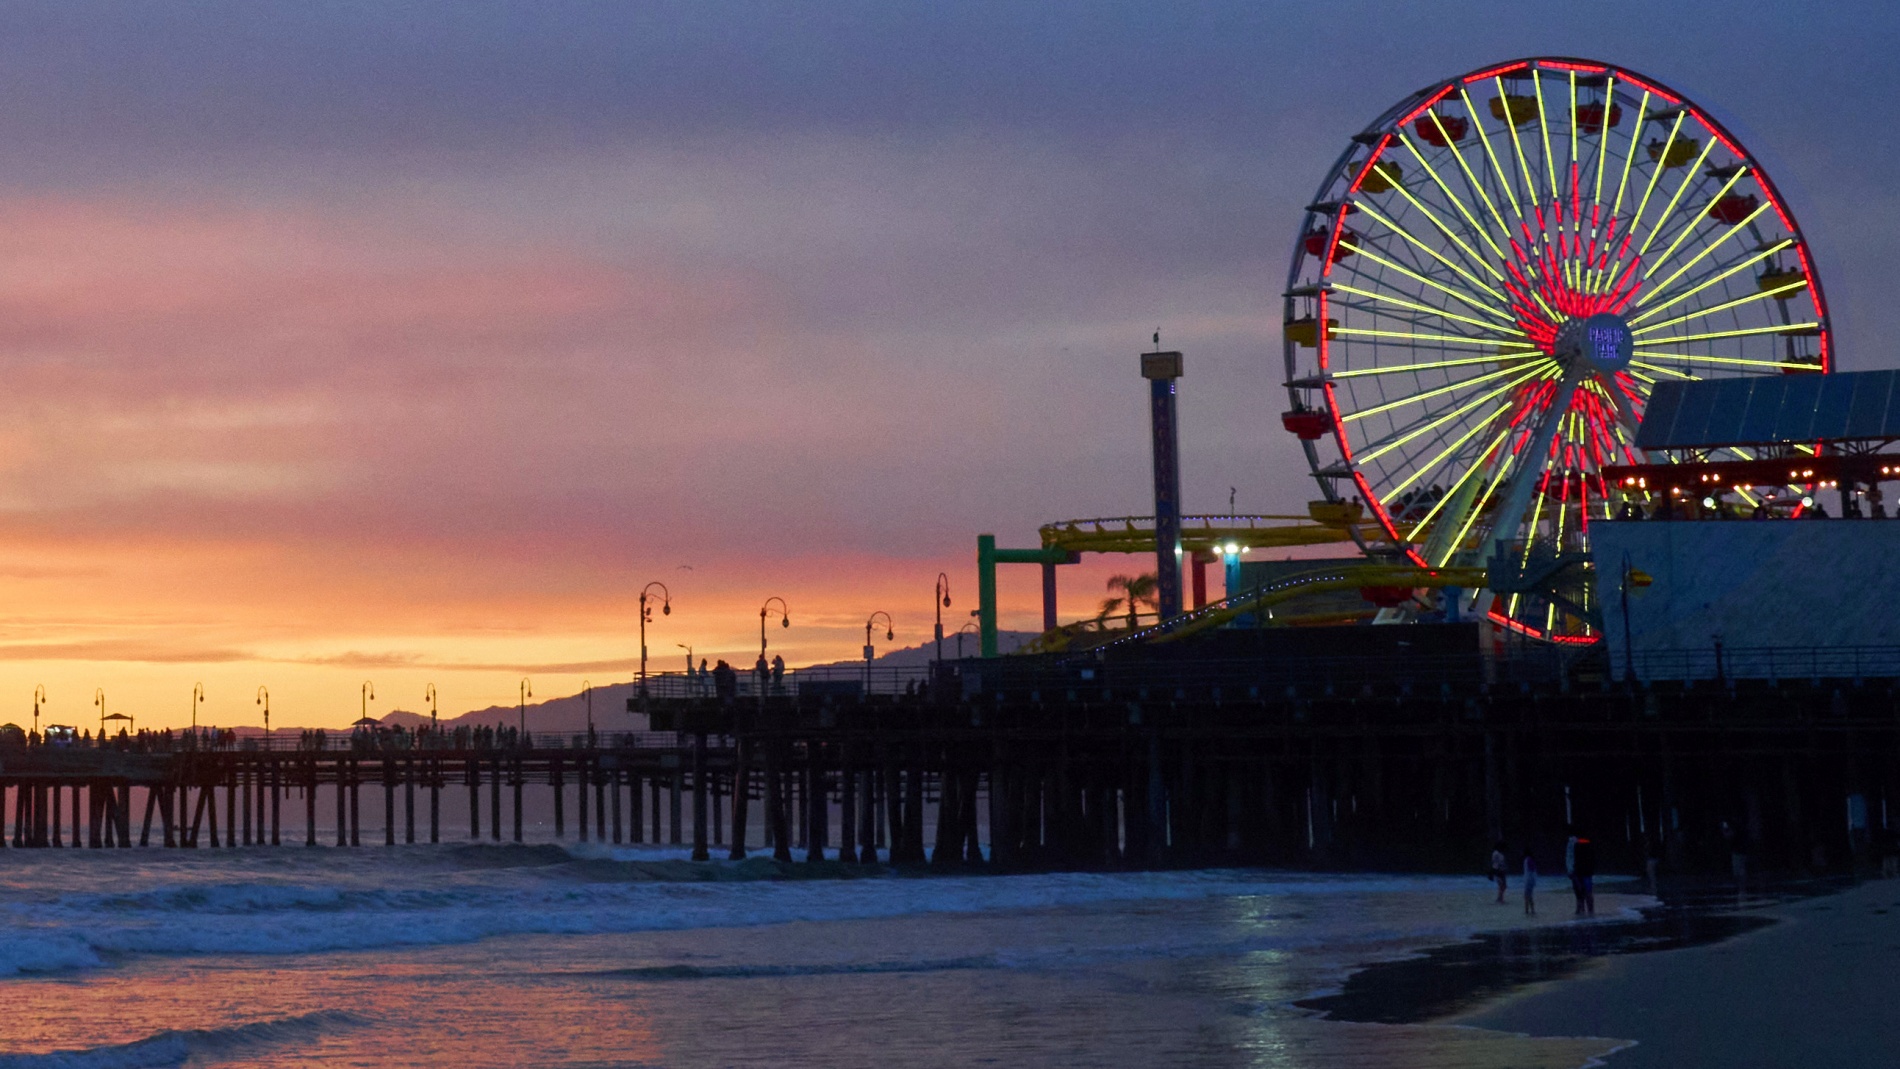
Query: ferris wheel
x=1490, y=281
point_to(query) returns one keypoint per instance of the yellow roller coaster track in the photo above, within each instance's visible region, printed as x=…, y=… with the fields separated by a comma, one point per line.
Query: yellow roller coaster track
x=1199, y=534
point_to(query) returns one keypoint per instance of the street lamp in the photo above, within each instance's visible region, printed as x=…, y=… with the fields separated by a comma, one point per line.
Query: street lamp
x=966, y=629
x=942, y=602
x=39, y=699
x=785, y=620
x=263, y=699
x=368, y=692
x=870, y=651
x=197, y=699
x=646, y=615
x=99, y=699
x=429, y=696
x=587, y=688
x=527, y=692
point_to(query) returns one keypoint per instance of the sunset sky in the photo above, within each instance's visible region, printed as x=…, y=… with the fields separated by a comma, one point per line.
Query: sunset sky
x=406, y=341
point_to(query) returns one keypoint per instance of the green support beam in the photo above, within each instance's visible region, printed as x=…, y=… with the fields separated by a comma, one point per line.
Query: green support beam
x=987, y=558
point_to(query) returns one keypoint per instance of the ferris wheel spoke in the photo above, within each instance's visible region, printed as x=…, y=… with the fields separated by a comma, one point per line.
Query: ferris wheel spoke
x=1603, y=136
x=1505, y=181
x=1735, y=361
x=1471, y=180
x=1547, y=369
x=1419, y=471
x=1656, y=170
x=1517, y=143
x=1429, y=251
x=1690, y=225
x=1476, y=227
x=1698, y=258
x=1720, y=272
x=1498, y=329
x=1629, y=158
x=1509, y=458
x=1461, y=295
x=1691, y=176
x=1470, y=253
x=1417, y=398
x=1777, y=293
x=1432, y=365
x=1543, y=125
x=1739, y=332
x=1452, y=340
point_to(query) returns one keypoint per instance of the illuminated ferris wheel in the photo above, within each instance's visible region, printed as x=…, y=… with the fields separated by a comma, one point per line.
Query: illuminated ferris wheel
x=1490, y=281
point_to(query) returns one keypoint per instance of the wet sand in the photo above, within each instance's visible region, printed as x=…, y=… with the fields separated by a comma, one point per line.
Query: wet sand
x=1816, y=988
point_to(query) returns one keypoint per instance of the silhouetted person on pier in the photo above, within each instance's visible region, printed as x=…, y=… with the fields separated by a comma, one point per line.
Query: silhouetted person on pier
x=778, y=673
x=725, y=682
x=763, y=671
x=705, y=677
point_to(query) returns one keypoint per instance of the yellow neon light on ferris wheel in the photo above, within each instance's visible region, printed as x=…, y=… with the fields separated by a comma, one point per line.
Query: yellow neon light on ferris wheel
x=1545, y=368
x=1699, y=257
x=1656, y=173
x=1550, y=160
x=1478, y=228
x=1503, y=227
x=1427, y=395
x=1517, y=211
x=1451, y=491
x=1689, y=227
x=1447, y=231
x=1778, y=328
x=1725, y=306
x=1510, y=116
x=1429, y=251
x=1681, y=187
x=1415, y=306
x=1636, y=134
x=1409, y=273
x=1742, y=266
x=1664, y=371
x=1429, y=365
x=1603, y=141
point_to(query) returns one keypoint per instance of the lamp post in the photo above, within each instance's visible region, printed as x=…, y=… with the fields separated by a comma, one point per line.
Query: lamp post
x=784, y=620
x=197, y=699
x=368, y=692
x=526, y=692
x=870, y=651
x=587, y=689
x=429, y=696
x=39, y=699
x=99, y=699
x=775, y=821
x=646, y=615
x=263, y=699
x=942, y=603
x=966, y=629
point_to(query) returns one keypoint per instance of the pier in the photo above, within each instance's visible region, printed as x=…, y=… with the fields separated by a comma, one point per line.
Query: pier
x=1036, y=763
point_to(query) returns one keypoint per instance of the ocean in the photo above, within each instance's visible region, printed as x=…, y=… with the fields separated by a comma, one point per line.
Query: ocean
x=489, y=955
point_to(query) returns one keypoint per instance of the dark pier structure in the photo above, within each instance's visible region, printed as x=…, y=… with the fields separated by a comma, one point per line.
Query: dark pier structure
x=1407, y=758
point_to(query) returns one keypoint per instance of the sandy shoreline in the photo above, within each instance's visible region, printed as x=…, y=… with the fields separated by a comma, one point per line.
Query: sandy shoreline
x=1814, y=989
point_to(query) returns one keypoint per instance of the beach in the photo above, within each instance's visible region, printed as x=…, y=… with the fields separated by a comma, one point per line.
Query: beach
x=484, y=955
x=1813, y=988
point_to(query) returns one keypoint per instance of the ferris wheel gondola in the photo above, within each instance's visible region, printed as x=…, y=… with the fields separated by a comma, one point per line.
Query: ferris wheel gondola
x=1489, y=282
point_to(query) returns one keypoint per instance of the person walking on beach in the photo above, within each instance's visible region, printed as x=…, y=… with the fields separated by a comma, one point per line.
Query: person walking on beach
x=1570, y=864
x=1497, y=868
x=1652, y=858
x=1585, y=877
x=1737, y=852
x=1530, y=882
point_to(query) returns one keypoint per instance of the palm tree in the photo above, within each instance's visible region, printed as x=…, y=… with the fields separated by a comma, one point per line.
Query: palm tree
x=1137, y=592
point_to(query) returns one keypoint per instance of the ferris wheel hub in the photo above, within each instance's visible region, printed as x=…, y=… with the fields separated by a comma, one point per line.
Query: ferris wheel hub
x=1603, y=343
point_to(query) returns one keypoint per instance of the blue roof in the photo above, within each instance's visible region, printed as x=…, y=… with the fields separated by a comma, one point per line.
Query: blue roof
x=1771, y=409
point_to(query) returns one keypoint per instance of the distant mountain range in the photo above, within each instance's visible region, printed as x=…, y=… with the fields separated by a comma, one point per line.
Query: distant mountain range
x=569, y=714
